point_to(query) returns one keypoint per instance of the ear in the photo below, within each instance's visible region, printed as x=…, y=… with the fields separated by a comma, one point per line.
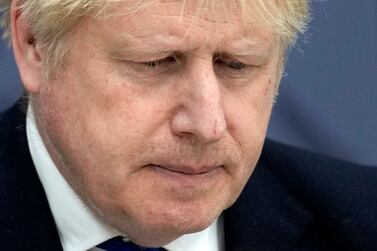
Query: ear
x=26, y=52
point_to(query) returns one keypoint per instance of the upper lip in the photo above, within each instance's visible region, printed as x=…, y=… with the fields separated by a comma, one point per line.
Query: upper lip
x=188, y=169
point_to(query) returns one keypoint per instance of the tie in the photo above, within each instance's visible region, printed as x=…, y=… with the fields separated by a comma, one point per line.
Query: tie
x=117, y=244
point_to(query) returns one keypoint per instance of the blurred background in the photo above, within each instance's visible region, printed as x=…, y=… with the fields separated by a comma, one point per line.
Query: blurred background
x=328, y=96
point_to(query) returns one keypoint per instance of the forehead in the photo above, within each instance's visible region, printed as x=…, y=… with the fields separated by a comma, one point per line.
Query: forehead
x=217, y=10
x=220, y=22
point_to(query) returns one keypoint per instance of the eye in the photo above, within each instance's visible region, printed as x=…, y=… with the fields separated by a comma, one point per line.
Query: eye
x=236, y=65
x=232, y=64
x=160, y=63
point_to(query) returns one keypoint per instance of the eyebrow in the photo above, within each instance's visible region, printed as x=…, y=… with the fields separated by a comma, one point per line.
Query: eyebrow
x=157, y=44
x=163, y=45
x=246, y=46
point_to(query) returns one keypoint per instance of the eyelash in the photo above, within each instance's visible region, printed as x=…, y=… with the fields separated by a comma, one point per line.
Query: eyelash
x=233, y=65
x=163, y=62
x=167, y=61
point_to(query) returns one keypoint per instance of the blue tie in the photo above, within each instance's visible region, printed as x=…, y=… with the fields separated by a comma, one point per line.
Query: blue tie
x=117, y=244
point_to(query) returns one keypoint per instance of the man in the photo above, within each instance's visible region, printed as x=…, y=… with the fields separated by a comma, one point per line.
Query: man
x=147, y=118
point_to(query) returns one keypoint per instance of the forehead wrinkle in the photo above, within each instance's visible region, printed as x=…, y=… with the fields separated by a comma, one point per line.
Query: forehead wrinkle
x=257, y=45
x=190, y=10
x=187, y=33
x=165, y=43
x=219, y=34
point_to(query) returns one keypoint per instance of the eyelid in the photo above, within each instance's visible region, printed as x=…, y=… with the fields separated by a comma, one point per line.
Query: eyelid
x=252, y=59
x=157, y=61
x=231, y=62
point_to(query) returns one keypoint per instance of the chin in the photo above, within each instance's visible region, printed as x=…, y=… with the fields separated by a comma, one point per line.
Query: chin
x=157, y=236
x=155, y=228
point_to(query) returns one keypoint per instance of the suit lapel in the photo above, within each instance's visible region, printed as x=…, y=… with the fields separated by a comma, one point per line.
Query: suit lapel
x=265, y=217
x=26, y=222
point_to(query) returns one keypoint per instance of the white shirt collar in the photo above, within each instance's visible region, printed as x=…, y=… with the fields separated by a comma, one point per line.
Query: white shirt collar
x=78, y=227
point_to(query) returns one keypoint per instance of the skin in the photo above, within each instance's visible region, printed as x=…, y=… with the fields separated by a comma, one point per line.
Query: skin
x=158, y=124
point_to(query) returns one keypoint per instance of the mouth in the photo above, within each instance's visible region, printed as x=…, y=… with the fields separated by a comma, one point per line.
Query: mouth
x=186, y=170
x=186, y=174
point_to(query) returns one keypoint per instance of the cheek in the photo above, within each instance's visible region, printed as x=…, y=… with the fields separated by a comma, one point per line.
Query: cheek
x=248, y=110
x=248, y=113
x=97, y=123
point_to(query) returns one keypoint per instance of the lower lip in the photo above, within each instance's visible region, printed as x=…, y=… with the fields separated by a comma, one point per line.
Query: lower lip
x=183, y=179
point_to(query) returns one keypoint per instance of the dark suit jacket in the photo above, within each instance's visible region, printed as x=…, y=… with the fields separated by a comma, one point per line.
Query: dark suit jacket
x=295, y=200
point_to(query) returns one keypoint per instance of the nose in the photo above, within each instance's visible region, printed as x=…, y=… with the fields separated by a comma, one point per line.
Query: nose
x=200, y=113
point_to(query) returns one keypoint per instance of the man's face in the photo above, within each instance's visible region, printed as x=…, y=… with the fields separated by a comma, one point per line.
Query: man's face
x=158, y=120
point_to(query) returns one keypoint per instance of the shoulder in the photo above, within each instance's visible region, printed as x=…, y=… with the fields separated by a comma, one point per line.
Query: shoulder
x=13, y=140
x=298, y=167
x=340, y=194
x=25, y=211
x=12, y=123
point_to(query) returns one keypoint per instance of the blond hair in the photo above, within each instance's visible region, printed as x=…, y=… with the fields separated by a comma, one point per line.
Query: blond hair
x=51, y=20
